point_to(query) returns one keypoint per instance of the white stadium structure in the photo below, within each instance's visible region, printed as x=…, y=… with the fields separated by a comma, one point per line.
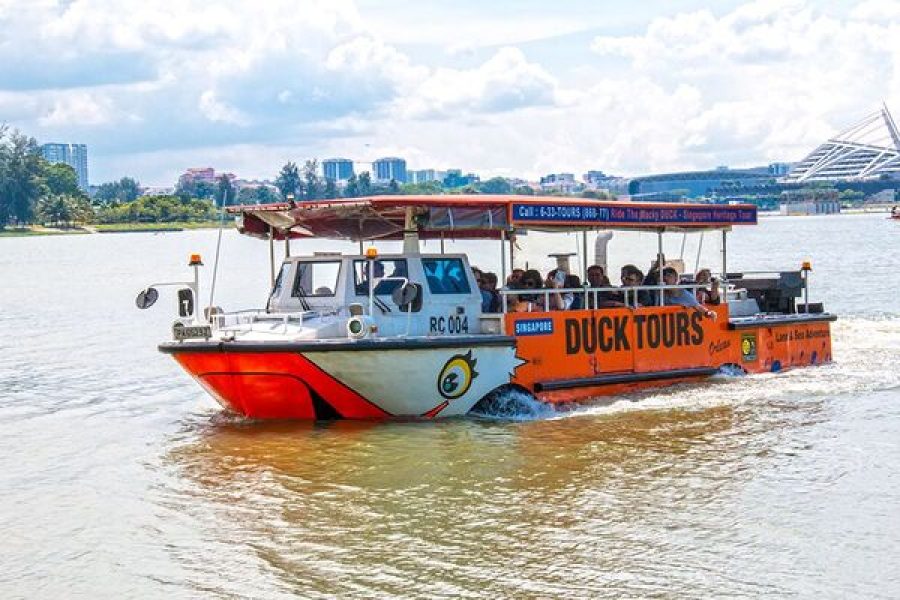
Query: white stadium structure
x=868, y=150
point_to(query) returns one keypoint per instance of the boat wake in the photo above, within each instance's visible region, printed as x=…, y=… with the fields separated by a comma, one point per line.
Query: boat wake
x=512, y=404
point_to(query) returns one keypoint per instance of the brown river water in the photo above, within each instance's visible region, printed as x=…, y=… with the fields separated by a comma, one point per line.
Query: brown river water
x=121, y=478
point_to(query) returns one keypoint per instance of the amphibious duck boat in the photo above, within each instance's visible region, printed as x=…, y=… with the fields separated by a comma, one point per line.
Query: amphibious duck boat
x=375, y=336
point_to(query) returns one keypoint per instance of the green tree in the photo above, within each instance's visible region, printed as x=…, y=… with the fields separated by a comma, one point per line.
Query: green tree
x=312, y=188
x=365, y=184
x=129, y=189
x=21, y=178
x=422, y=189
x=114, y=192
x=61, y=179
x=63, y=210
x=524, y=190
x=495, y=185
x=331, y=190
x=351, y=190
x=288, y=180
x=204, y=190
x=393, y=187
x=225, y=194
x=265, y=195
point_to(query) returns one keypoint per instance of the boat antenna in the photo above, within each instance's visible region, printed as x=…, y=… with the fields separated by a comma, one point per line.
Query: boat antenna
x=212, y=285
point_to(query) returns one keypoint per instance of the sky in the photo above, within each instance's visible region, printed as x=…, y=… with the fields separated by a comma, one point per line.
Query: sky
x=519, y=88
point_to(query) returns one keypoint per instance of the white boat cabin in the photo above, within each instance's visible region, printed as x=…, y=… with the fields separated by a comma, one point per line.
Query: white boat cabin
x=415, y=295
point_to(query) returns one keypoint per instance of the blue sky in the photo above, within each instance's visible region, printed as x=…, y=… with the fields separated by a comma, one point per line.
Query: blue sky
x=501, y=88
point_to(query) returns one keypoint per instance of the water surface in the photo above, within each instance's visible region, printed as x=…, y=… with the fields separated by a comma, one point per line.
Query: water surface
x=121, y=478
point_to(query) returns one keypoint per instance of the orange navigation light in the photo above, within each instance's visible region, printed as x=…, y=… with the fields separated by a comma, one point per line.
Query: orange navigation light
x=372, y=252
x=807, y=266
x=196, y=261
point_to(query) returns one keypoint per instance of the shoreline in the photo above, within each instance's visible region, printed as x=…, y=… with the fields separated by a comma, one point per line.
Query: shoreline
x=40, y=231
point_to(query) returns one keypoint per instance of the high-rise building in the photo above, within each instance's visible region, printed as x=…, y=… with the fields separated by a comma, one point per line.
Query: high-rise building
x=425, y=175
x=337, y=169
x=390, y=168
x=74, y=155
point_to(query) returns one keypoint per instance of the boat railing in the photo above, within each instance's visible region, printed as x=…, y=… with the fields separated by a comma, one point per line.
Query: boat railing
x=221, y=320
x=629, y=294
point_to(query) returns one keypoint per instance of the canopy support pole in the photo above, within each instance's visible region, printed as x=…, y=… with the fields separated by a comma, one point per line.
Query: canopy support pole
x=410, y=233
x=272, y=256
x=502, y=258
x=287, y=245
x=584, y=256
x=660, y=264
x=442, y=242
x=724, y=255
x=512, y=252
x=699, y=250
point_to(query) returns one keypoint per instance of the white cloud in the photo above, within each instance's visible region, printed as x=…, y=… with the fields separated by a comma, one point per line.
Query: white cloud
x=506, y=81
x=764, y=81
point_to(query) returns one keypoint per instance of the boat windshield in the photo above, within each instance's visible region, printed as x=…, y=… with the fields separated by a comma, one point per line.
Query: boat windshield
x=445, y=276
x=316, y=279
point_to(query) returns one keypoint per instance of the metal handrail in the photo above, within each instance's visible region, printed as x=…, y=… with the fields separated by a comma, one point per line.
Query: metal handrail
x=626, y=291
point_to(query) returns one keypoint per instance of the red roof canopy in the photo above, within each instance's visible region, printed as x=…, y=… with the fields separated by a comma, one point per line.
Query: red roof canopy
x=478, y=216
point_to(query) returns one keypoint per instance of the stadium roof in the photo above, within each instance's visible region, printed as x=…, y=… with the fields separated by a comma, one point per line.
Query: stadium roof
x=868, y=150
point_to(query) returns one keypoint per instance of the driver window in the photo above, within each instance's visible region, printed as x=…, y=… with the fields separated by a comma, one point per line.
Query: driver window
x=389, y=267
x=316, y=279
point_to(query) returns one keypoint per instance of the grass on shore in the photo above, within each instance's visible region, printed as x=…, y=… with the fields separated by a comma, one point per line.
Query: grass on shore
x=158, y=226
x=36, y=230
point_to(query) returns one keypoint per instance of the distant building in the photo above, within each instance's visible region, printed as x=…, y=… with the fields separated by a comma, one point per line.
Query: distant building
x=74, y=155
x=601, y=182
x=455, y=178
x=337, y=169
x=202, y=175
x=779, y=169
x=810, y=202
x=560, y=182
x=389, y=168
x=869, y=150
x=156, y=190
x=425, y=175
x=699, y=184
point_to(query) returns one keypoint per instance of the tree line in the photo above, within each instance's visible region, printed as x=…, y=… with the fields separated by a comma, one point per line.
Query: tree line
x=35, y=191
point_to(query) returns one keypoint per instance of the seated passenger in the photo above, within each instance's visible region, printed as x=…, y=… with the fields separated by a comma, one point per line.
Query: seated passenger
x=556, y=279
x=652, y=278
x=633, y=277
x=598, y=279
x=573, y=282
x=490, y=297
x=708, y=295
x=681, y=297
x=515, y=278
x=531, y=280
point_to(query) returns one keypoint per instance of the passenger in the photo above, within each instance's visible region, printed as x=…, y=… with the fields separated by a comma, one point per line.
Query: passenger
x=598, y=279
x=707, y=295
x=681, y=297
x=515, y=278
x=531, y=280
x=486, y=298
x=489, y=284
x=556, y=279
x=574, y=282
x=652, y=278
x=633, y=277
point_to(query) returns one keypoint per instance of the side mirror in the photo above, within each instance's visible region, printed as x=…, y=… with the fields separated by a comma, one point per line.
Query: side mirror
x=185, y=302
x=147, y=298
x=404, y=294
